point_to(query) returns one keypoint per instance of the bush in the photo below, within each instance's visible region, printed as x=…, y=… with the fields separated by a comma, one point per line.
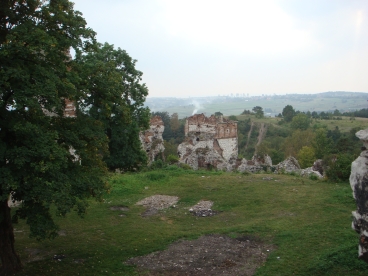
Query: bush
x=158, y=164
x=185, y=166
x=339, y=166
x=306, y=157
x=172, y=159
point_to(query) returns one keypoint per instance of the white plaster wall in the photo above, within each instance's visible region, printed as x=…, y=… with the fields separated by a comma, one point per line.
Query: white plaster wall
x=229, y=147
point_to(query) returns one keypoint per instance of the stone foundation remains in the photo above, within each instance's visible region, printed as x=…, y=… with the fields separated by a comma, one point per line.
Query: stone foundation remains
x=151, y=139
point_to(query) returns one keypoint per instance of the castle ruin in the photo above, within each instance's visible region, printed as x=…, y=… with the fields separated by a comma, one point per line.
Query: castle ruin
x=151, y=139
x=209, y=142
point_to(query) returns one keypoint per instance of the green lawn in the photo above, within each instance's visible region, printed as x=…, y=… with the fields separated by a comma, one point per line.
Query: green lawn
x=308, y=221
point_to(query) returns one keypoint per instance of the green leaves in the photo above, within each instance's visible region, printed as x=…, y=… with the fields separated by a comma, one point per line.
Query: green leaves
x=113, y=95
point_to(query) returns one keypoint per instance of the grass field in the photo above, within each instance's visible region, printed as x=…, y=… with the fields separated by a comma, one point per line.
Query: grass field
x=308, y=221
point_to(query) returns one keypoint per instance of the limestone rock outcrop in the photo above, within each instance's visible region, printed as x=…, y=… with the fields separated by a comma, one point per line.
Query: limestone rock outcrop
x=288, y=165
x=318, y=166
x=151, y=139
x=256, y=164
x=209, y=142
x=359, y=184
x=310, y=171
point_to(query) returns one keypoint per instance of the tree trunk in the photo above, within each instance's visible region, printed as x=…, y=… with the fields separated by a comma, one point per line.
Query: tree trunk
x=9, y=258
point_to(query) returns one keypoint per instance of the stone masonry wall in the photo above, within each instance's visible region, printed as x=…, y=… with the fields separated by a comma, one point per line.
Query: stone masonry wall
x=151, y=139
x=210, y=141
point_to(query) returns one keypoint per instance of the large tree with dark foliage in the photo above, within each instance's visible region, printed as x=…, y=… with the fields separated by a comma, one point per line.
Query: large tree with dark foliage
x=47, y=160
x=288, y=113
x=115, y=98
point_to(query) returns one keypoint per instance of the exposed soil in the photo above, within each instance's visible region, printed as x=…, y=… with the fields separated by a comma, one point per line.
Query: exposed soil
x=208, y=255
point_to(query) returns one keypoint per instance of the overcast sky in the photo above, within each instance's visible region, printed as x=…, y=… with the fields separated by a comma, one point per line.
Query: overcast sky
x=212, y=47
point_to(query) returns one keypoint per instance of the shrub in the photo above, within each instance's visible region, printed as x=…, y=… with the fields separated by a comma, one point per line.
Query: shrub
x=172, y=159
x=185, y=166
x=338, y=166
x=158, y=164
x=306, y=157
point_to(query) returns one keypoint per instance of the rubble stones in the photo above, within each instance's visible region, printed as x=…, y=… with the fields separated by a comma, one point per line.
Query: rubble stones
x=203, y=209
x=158, y=202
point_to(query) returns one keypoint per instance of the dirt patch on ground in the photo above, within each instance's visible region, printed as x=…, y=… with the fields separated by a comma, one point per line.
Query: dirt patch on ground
x=208, y=255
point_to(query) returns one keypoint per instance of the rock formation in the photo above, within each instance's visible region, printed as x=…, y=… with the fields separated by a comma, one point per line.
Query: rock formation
x=151, y=139
x=209, y=142
x=288, y=165
x=256, y=164
x=359, y=184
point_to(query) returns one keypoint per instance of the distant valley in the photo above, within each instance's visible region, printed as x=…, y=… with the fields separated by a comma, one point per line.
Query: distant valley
x=271, y=104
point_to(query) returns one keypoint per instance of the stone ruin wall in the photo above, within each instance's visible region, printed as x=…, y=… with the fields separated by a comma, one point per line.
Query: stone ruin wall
x=151, y=139
x=210, y=141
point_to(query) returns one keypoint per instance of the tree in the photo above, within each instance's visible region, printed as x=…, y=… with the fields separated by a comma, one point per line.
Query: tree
x=299, y=138
x=245, y=112
x=300, y=121
x=48, y=159
x=288, y=112
x=306, y=157
x=258, y=111
x=322, y=144
x=115, y=98
x=174, y=122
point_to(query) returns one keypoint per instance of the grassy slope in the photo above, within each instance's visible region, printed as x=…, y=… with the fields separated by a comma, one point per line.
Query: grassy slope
x=309, y=221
